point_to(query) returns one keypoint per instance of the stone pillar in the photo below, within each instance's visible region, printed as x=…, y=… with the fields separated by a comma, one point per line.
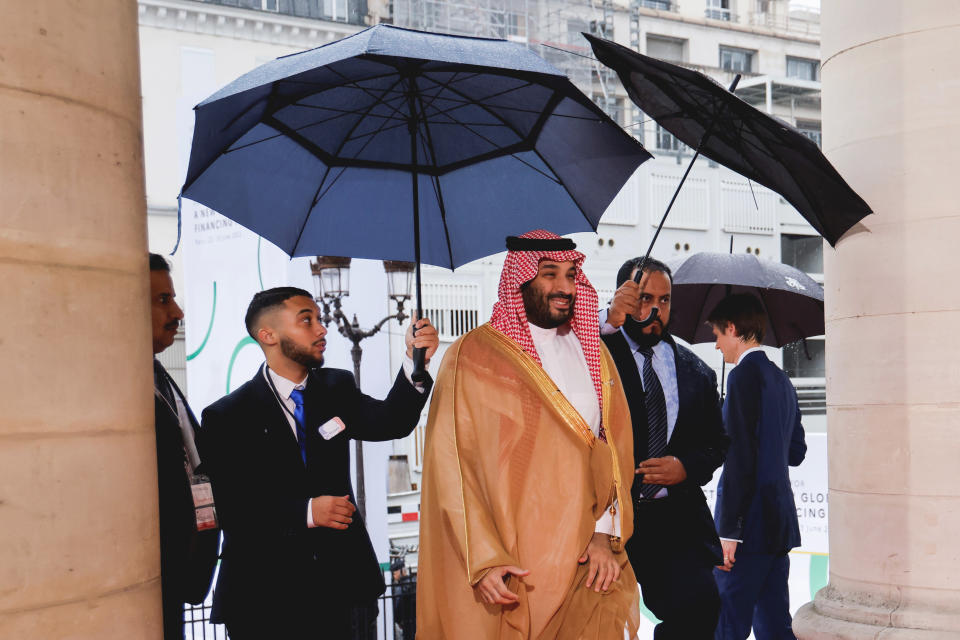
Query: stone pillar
x=79, y=548
x=891, y=116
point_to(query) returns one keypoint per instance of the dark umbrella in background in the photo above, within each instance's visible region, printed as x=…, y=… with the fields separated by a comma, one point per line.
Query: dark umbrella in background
x=793, y=301
x=713, y=121
x=406, y=145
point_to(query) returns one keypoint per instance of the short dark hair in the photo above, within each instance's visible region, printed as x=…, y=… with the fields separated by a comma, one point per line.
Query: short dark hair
x=650, y=266
x=158, y=263
x=745, y=312
x=266, y=300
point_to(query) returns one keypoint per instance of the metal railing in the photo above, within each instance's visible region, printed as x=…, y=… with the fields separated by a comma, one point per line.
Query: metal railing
x=395, y=618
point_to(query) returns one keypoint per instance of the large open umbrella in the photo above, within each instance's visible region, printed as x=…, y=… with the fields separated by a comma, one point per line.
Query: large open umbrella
x=406, y=145
x=715, y=122
x=792, y=299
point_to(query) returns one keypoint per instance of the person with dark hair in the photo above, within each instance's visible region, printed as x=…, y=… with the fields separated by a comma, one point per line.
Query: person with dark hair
x=188, y=539
x=755, y=514
x=297, y=561
x=678, y=441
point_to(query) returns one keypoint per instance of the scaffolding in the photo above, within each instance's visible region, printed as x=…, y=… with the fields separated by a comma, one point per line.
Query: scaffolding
x=550, y=28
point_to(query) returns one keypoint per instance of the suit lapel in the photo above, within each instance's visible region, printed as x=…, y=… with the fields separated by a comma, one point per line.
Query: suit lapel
x=272, y=416
x=685, y=386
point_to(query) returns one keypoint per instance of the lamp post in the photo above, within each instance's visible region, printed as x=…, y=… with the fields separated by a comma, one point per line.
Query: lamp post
x=332, y=280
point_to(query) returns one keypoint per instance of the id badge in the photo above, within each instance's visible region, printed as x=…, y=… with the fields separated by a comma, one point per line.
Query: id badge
x=205, y=510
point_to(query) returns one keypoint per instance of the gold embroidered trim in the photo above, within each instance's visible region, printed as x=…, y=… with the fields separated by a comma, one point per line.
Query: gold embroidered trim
x=547, y=386
x=616, y=542
x=456, y=448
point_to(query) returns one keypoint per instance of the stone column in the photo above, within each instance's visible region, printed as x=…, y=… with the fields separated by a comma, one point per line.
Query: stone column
x=891, y=116
x=79, y=550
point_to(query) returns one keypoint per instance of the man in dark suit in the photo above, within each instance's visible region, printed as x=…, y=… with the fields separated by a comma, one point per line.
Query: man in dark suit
x=296, y=557
x=187, y=556
x=679, y=440
x=756, y=514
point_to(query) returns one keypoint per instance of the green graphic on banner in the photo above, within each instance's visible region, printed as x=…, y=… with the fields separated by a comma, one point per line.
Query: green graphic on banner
x=213, y=312
x=818, y=573
x=236, y=351
x=648, y=614
x=259, y=272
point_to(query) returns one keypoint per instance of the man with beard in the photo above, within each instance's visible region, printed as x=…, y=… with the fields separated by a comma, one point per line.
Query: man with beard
x=188, y=541
x=528, y=445
x=679, y=441
x=296, y=557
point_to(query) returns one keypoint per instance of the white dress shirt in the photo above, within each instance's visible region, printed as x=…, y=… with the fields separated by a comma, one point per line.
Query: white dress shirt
x=562, y=357
x=284, y=387
x=665, y=366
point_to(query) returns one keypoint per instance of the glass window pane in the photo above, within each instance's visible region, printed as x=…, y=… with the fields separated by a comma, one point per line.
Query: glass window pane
x=798, y=365
x=803, y=252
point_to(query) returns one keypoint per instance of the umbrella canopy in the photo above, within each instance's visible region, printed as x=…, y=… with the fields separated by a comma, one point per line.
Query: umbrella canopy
x=792, y=299
x=695, y=109
x=348, y=148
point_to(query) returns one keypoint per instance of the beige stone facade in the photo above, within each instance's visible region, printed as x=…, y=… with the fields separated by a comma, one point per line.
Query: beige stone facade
x=891, y=91
x=79, y=550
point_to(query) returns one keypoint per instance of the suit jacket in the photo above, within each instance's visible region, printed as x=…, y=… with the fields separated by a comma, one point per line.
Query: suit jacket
x=187, y=558
x=271, y=562
x=698, y=441
x=762, y=417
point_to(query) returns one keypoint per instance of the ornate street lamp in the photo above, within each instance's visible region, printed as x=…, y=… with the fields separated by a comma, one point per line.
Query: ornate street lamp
x=331, y=275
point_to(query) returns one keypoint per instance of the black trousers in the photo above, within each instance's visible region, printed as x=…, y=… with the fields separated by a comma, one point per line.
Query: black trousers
x=675, y=572
x=336, y=622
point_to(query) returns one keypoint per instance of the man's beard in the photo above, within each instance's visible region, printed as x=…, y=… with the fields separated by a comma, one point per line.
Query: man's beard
x=644, y=340
x=298, y=354
x=537, y=306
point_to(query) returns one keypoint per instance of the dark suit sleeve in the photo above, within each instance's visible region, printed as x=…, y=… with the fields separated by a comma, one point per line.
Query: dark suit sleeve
x=798, y=443
x=742, y=413
x=388, y=419
x=702, y=461
x=245, y=500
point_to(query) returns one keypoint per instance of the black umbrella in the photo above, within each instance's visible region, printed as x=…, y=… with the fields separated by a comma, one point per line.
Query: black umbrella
x=709, y=118
x=792, y=299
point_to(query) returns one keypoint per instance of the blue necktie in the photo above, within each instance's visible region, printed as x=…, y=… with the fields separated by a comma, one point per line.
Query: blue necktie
x=656, y=418
x=297, y=396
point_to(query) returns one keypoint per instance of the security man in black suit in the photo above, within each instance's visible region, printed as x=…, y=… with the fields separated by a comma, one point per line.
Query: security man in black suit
x=188, y=555
x=296, y=556
x=679, y=442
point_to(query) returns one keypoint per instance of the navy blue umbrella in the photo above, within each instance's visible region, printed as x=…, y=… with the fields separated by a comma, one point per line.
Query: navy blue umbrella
x=405, y=145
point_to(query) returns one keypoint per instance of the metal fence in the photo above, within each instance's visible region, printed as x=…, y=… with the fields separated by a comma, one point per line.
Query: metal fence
x=395, y=618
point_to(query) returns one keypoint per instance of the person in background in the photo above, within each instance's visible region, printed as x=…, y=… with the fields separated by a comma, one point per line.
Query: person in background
x=188, y=545
x=756, y=515
x=678, y=441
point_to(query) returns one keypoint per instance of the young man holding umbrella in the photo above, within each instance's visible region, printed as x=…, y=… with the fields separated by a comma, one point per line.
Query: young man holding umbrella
x=756, y=515
x=528, y=445
x=296, y=557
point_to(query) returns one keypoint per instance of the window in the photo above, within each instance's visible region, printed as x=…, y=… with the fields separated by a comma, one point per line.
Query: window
x=733, y=59
x=335, y=10
x=811, y=129
x=268, y=5
x=666, y=141
x=798, y=365
x=718, y=9
x=664, y=48
x=662, y=5
x=802, y=252
x=803, y=68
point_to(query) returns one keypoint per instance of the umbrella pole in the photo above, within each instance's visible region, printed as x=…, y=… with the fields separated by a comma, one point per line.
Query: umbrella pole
x=723, y=361
x=419, y=373
x=654, y=312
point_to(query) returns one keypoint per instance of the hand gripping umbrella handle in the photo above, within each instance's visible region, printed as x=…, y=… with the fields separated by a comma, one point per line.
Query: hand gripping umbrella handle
x=419, y=370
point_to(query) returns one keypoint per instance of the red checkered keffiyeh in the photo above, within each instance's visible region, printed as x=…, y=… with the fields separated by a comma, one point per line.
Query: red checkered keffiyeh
x=510, y=317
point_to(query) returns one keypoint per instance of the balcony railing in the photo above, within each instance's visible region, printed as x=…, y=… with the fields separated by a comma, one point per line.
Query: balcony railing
x=349, y=11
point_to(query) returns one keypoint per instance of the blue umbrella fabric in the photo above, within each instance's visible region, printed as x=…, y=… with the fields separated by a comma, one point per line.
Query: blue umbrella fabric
x=703, y=114
x=348, y=148
x=792, y=299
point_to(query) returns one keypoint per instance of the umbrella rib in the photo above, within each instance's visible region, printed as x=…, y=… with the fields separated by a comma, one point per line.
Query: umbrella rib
x=435, y=180
x=378, y=99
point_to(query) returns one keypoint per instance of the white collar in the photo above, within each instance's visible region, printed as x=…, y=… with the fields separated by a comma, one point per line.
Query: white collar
x=750, y=350
x=539, y=333
x=283, y=385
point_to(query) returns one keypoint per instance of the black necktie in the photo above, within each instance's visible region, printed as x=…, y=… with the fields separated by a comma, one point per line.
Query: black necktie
x=162, y=384
x=656, y=417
